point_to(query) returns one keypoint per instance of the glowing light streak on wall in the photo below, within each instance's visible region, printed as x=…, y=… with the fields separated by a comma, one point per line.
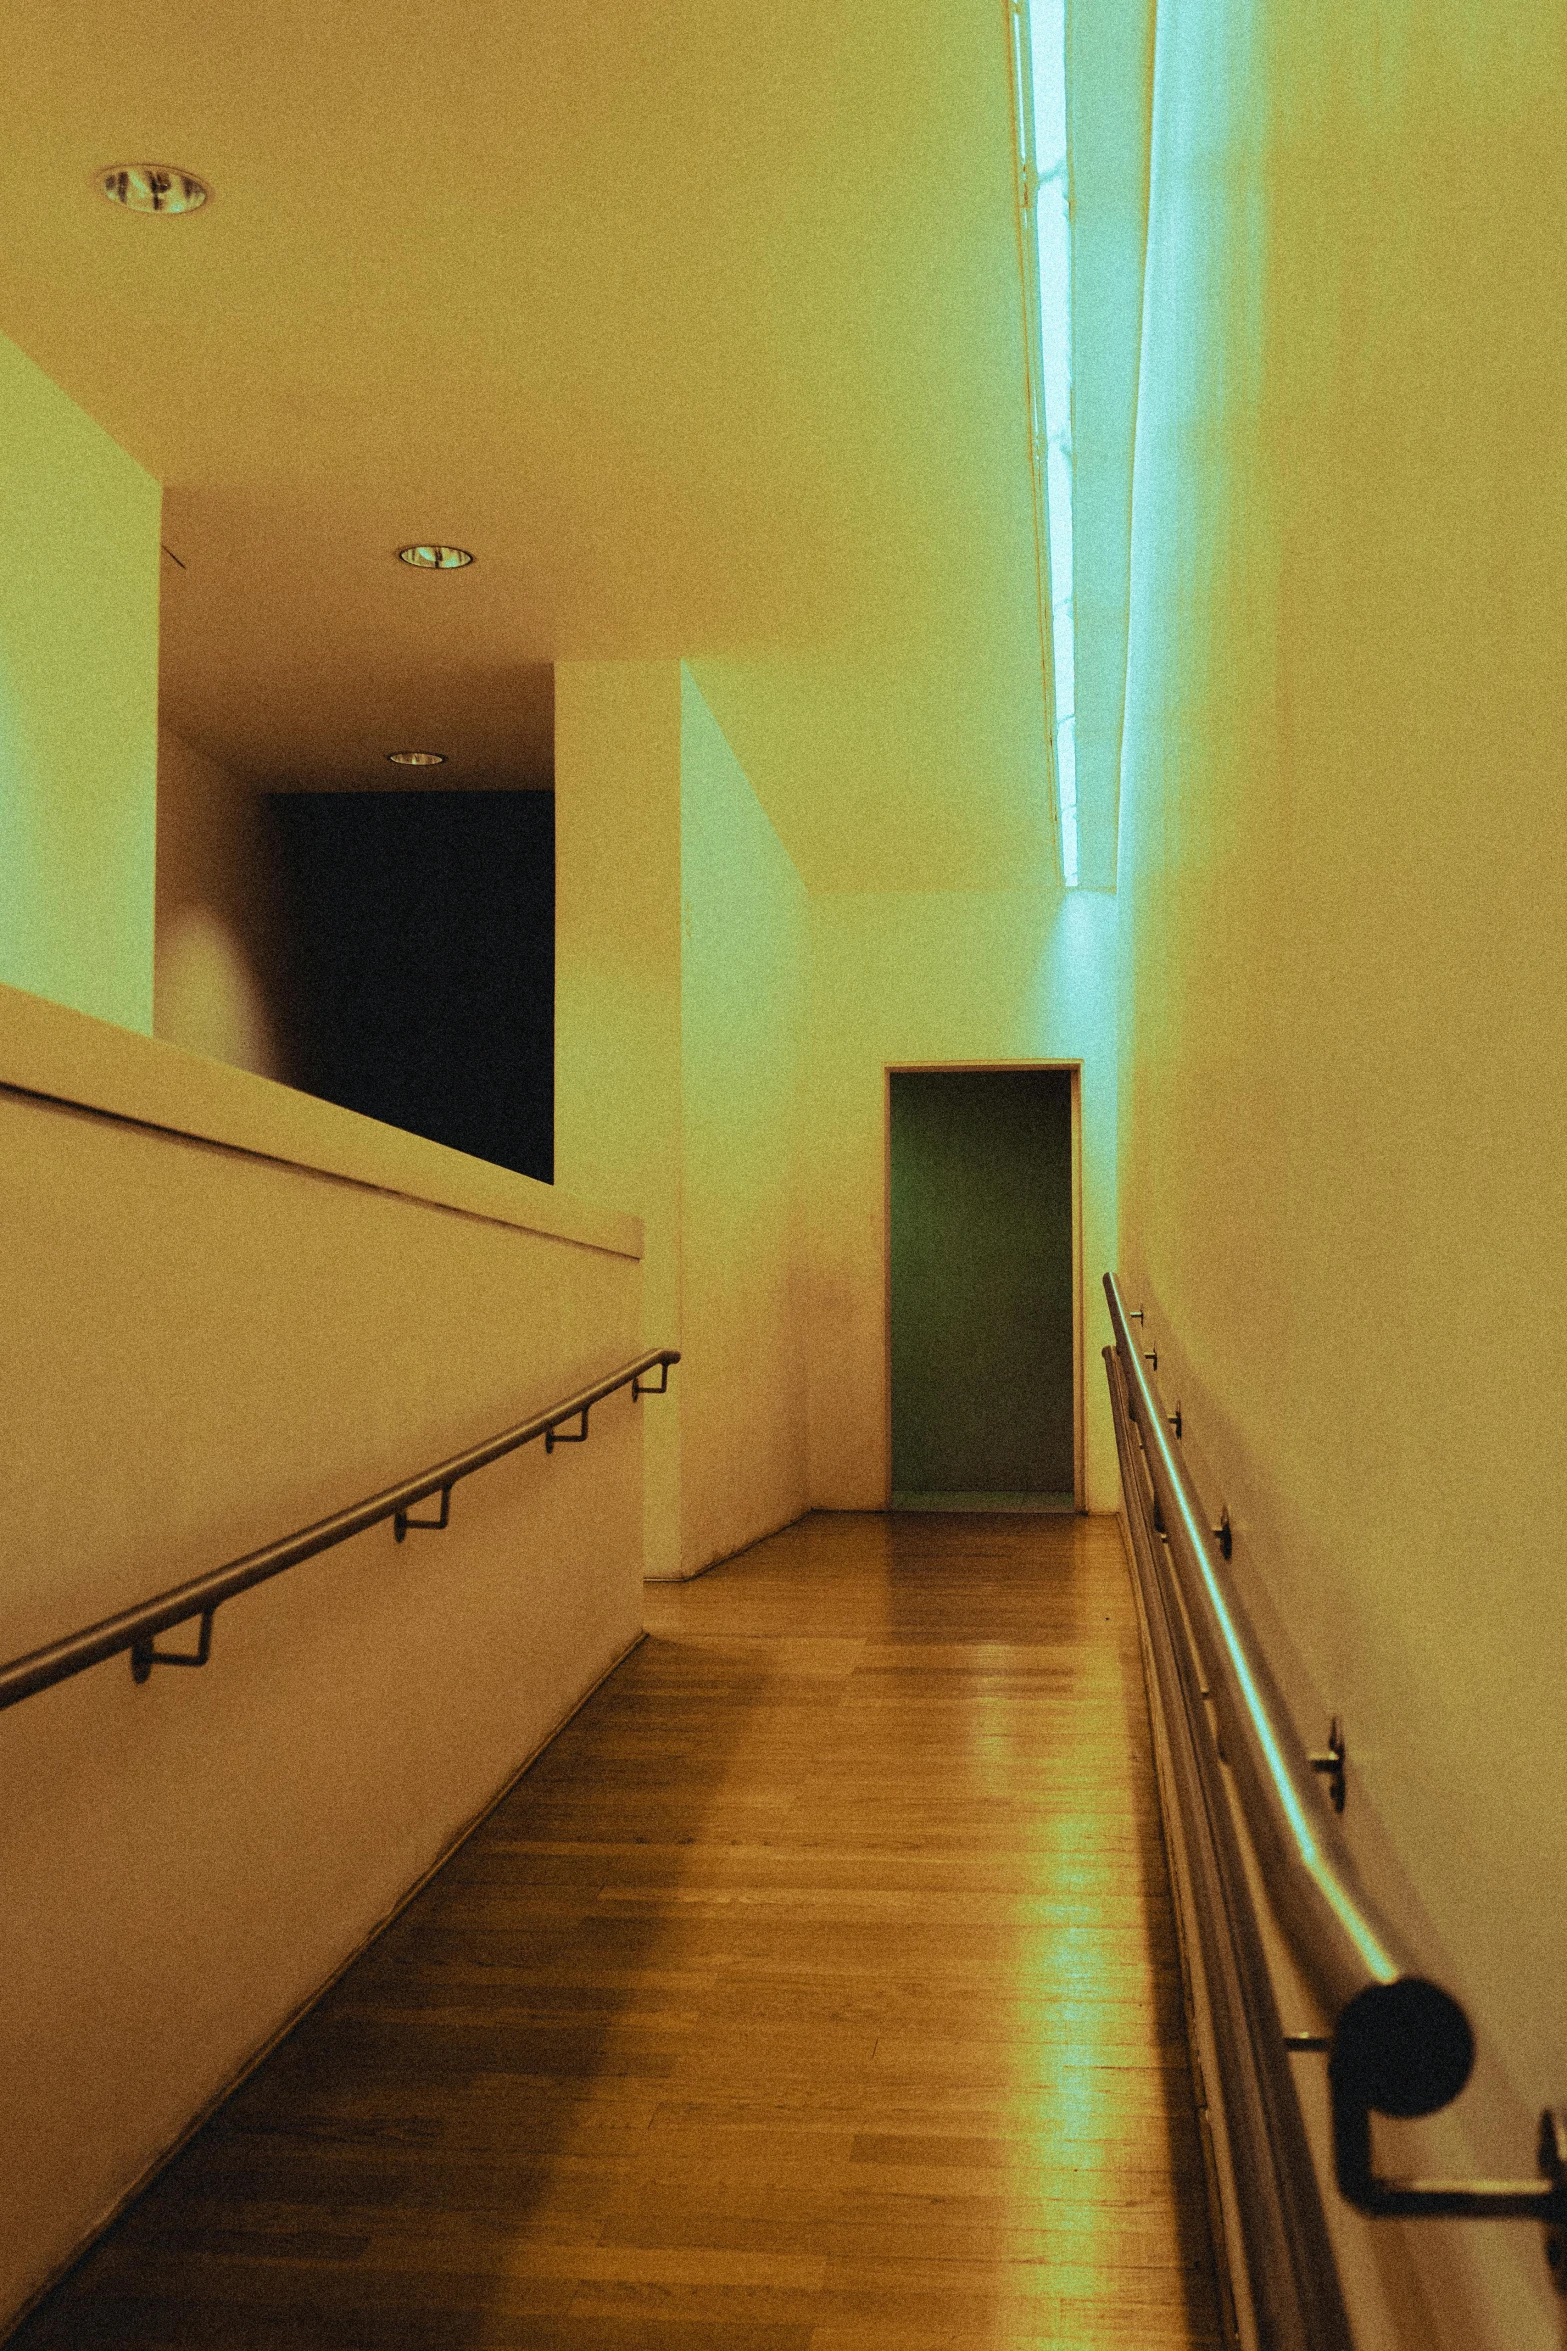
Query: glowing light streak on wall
x=1044, y=181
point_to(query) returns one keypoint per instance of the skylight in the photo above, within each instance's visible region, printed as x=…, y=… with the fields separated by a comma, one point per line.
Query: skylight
x=1039, y=31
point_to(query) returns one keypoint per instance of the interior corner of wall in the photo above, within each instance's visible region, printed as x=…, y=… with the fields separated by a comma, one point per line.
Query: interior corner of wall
x=662, y=1533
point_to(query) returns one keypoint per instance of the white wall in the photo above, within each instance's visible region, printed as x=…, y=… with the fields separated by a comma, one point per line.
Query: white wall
x=617, y=994
x=207, y=1347
x=938, y=977
x=214, y=977
x=720, y=1060
x=1343, y=1180
x=680, y=957
x=78, y=704
x=745, y=951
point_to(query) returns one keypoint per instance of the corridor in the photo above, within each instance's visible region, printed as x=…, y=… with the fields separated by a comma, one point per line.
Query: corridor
x=816, y=1987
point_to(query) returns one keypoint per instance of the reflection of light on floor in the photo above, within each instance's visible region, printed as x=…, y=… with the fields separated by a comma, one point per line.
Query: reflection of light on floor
x=991, y=1741
x=1088, y=2011
x=1077, y=1974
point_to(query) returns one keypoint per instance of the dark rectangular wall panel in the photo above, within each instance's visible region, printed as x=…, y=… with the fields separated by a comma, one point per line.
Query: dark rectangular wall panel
x=981, y=1283
x=419, y=963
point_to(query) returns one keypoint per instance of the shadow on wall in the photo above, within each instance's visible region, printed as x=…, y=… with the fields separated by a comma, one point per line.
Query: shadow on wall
x=218, y=921
x=208, y=996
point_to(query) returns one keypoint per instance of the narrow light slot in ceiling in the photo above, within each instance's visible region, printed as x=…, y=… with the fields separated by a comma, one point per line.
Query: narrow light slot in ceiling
x=154, y=187
x=435, y=558
x=1044, y=174
x=417, y=758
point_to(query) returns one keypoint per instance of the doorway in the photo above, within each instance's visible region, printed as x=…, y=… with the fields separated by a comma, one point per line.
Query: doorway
x=982, y=1289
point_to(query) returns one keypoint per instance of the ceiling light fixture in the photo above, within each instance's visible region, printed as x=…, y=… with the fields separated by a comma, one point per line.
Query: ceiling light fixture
x=433, y=558
x=154, y=187
x=417, y=758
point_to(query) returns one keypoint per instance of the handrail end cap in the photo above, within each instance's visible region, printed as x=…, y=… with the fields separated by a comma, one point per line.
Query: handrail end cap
x=1403, y=2048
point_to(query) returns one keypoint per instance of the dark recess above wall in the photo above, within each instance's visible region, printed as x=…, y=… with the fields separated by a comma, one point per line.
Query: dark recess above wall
x=419, y=985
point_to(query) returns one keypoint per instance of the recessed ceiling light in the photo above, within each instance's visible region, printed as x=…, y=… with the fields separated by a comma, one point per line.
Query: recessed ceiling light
x=154, y=187
x=435, y=558
x=417, y=758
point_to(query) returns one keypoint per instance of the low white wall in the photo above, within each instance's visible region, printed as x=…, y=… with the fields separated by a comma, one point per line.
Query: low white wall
x=208, y=1346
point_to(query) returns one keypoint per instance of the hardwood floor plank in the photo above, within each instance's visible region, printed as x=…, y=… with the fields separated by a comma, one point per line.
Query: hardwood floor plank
x=817, y=1988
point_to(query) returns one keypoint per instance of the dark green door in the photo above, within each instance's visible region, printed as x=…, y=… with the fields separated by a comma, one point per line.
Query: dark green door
x=981, y=1284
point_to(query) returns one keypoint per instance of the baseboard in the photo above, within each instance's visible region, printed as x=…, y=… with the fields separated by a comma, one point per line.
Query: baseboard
x=258, y=2057
x=1054, y=1505
x=690, y=1574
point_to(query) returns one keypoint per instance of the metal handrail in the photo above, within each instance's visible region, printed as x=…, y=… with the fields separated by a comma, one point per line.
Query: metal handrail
x=136, y=1629
x=1338, y=1932
x=1287, y=2255
x=1401, y=2044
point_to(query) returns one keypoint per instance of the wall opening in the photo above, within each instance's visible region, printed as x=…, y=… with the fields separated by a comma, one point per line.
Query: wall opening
x=982, y=1289
x=417, y=964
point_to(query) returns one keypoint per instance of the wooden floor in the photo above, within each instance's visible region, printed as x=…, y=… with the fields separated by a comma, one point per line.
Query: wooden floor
x=817, y=1988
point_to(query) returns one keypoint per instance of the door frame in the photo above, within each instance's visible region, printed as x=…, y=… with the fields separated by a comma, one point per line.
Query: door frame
x=1074, y=1069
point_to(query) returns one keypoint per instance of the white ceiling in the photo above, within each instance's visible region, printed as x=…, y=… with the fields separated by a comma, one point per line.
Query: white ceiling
x=700, y=325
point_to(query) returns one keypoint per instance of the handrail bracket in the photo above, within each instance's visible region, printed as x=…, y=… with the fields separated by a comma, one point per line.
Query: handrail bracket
x=1543, y=2200
x=401, y=1520
x=1330, y=1762
x=144, y=1656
